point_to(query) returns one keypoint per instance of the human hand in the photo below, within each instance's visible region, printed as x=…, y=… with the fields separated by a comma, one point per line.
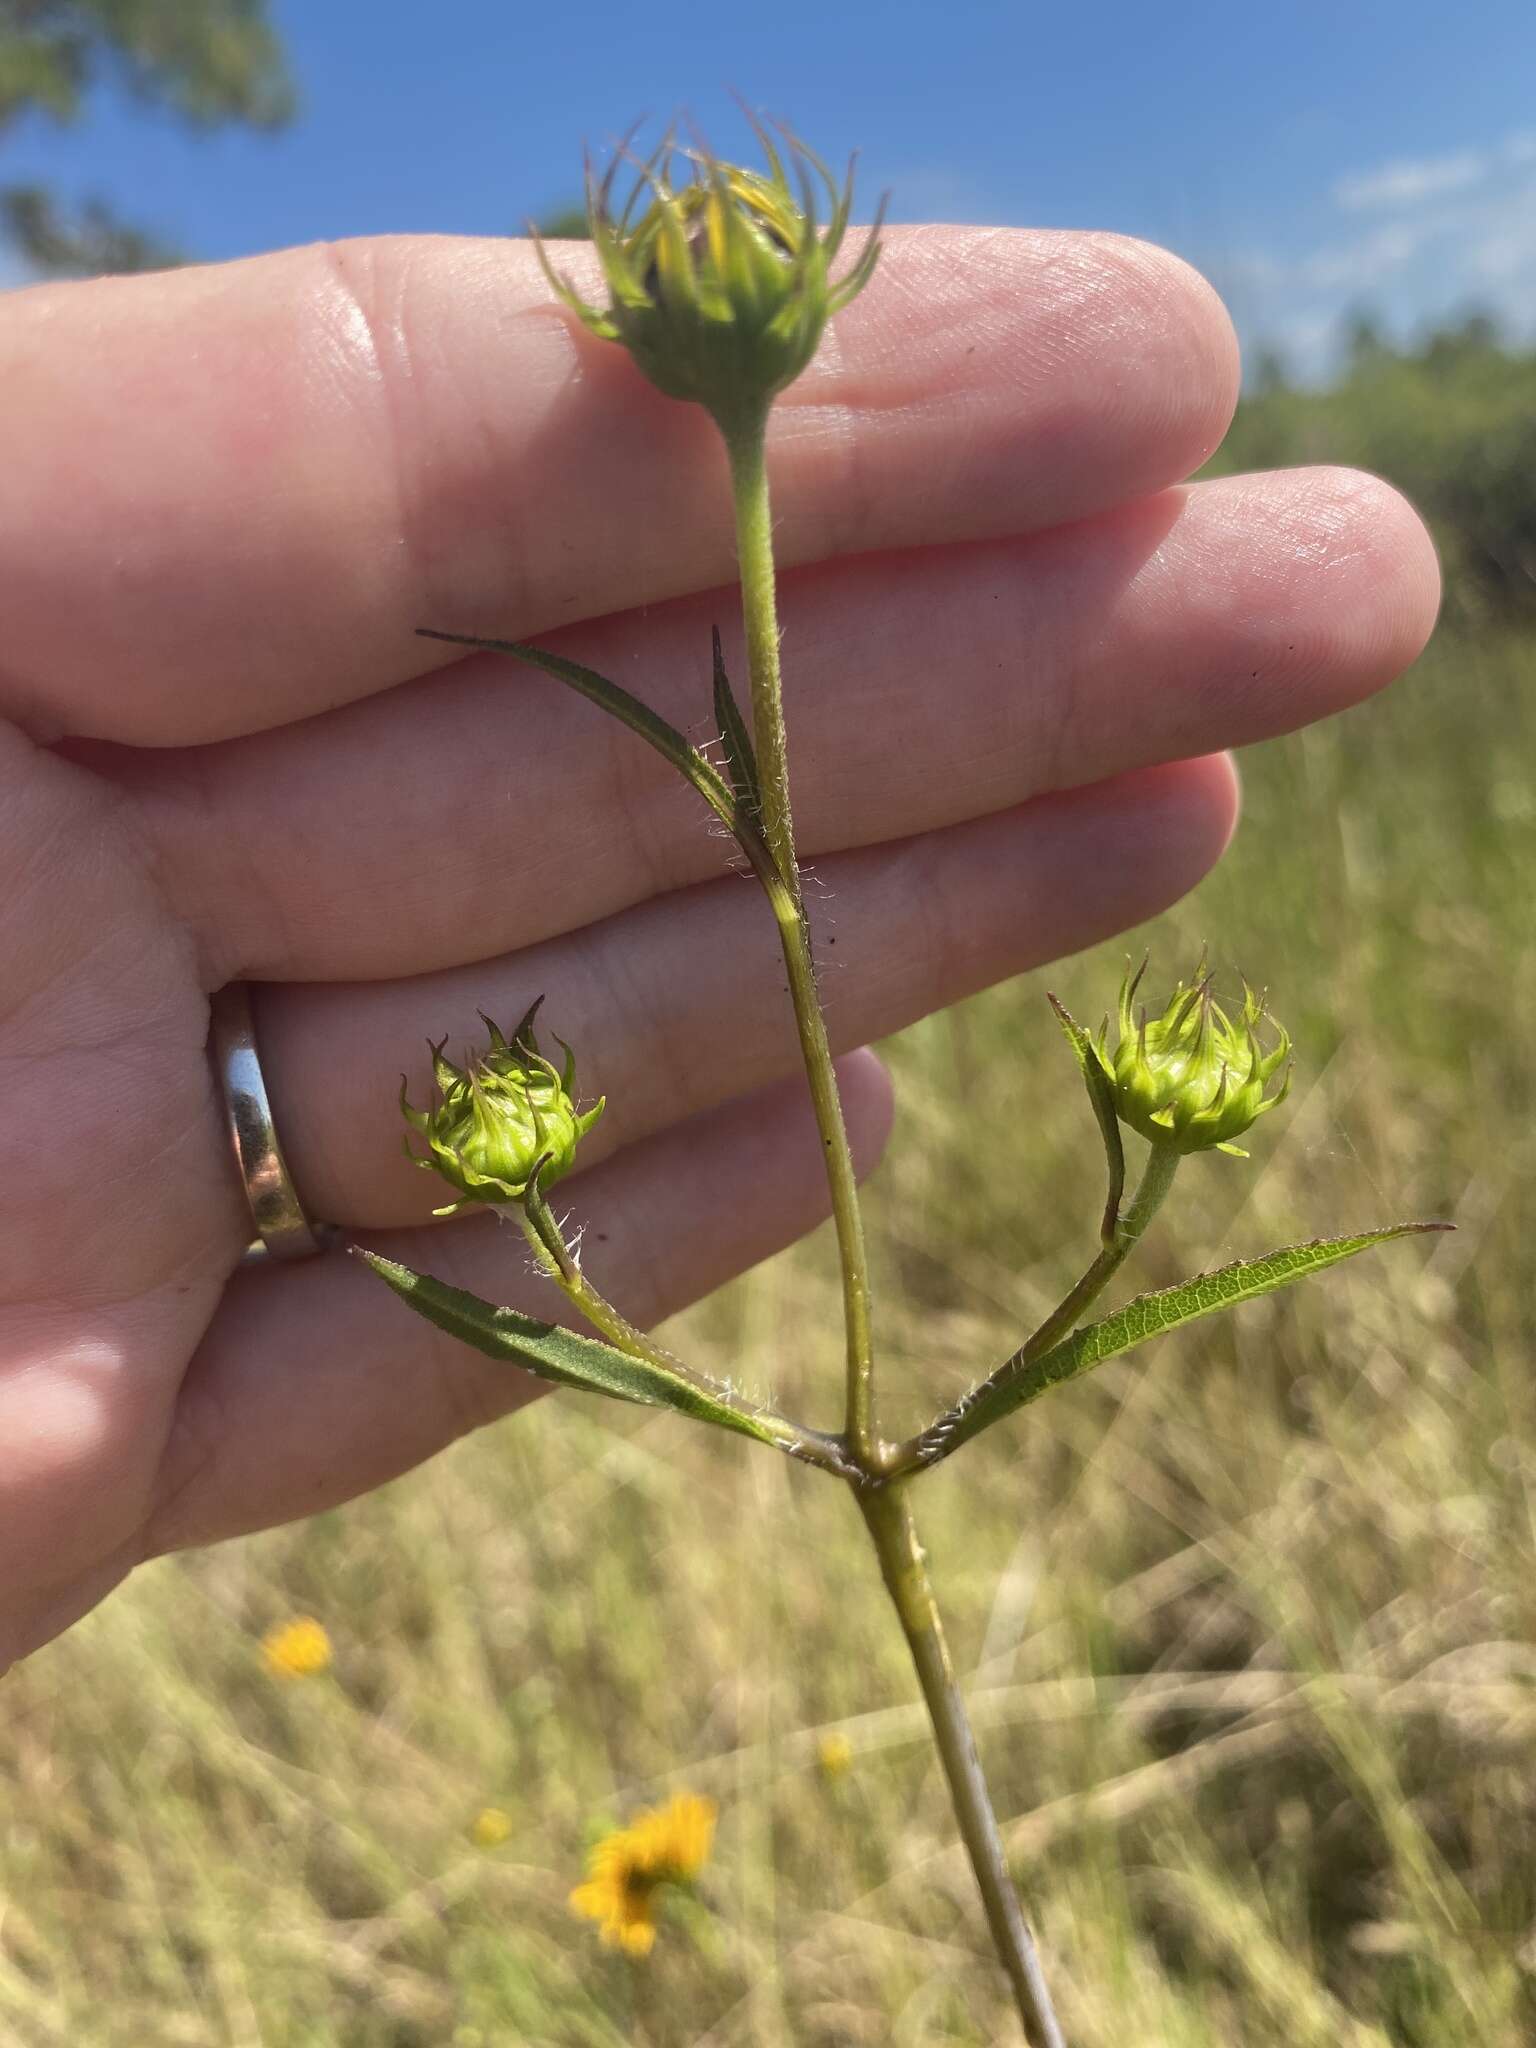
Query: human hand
x=1012, y=647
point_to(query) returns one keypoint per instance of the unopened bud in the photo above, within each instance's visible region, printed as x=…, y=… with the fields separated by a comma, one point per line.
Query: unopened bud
x=504, y=1119
x=719, y=282
x=1193, y=1078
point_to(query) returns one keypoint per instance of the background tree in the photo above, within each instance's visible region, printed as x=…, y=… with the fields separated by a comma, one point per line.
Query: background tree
x=205, y=62
x=565, y=224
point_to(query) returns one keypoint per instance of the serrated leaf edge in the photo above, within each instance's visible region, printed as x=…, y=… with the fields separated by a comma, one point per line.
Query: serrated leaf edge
x=1017, y=1384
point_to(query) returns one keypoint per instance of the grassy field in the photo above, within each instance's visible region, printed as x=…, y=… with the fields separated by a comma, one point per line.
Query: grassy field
x=1249, y=1621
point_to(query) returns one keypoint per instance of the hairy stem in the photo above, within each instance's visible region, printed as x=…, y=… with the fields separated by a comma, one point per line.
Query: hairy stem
x=745, y=443
x=556, y=1258
x=888, y=1514
x=744, y=440
x=549, y=1247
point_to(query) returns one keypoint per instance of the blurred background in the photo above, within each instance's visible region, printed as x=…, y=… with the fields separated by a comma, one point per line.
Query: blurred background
x=1248, y=1619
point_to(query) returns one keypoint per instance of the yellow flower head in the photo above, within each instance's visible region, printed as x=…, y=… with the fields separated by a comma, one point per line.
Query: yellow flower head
x=625, y=1871
x=297, y=1648
x=834, y=1753
x=490, y=1828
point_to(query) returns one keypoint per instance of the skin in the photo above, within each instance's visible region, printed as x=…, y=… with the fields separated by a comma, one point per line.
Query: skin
x=1015, y=643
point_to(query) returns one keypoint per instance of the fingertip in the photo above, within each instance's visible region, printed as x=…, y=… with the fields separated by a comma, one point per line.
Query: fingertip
x=1337, y=587
x=1210, y=788
x=1398, y=568
x=1191, y=808
x=1154, y=834
x=1188, y=344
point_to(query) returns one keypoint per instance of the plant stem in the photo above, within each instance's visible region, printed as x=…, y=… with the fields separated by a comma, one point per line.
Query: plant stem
x=549, y=1247
x=1156, y=1180
x=888, y=1514
x=946, y=1434
x=555, y=1256
x=886, y=1510
x=745, y=445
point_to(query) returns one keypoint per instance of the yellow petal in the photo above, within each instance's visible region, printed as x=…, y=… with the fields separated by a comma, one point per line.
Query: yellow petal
x=592, y=1901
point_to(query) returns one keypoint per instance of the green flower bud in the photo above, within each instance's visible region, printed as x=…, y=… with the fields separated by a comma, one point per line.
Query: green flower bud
x=720, y=286
x=1194, y=1077
x=504, y=1118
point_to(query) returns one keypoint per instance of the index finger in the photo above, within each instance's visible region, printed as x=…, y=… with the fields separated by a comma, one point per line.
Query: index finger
x=230, y=494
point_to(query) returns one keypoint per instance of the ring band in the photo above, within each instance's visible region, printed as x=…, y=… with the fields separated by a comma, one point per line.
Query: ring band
x=283, y=1231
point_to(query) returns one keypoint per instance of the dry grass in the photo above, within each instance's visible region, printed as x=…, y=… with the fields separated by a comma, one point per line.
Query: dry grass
x=1249, y=1619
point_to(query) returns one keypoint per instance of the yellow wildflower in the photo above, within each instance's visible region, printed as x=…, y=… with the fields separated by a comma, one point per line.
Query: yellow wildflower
x=490, y=1827
x=834, y=1753
x=297, y=1648
x=663, y=1845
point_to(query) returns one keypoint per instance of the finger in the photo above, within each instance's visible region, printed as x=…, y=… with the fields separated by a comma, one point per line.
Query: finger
x=316, y=1383
x=680, y=1004
x=920, y=692
x=119, y=1213
x=295, y=460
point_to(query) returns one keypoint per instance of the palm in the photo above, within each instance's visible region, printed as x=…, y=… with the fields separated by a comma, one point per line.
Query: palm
x=118, y=1222
x=229, y=496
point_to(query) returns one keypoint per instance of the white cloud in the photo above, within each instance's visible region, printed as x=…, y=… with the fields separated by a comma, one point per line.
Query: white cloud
x=1463, y=234
x=1499, y=259
x=1357, y=266
x=1308, y=344
x=1411, y=179
x=1506, y=249
x=1370, y=261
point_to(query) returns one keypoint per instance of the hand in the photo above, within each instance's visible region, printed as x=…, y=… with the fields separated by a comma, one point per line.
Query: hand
x=1012, y=645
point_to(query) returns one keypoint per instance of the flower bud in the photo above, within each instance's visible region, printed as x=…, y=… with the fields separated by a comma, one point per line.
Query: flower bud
x=1194, y=1077
x=719, y=284
x=503, y=1118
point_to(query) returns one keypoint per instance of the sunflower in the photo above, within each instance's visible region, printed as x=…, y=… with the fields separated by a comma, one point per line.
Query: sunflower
x=627, y=1869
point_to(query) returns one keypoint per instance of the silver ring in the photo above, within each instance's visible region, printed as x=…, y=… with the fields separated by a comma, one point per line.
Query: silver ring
x=283, y=1231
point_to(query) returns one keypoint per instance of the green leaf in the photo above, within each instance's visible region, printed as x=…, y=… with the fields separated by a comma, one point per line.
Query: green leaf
x=1017, y=1383
x=735, y=738
x=674, y=746
x=1102, y=1096
x=569, y=1359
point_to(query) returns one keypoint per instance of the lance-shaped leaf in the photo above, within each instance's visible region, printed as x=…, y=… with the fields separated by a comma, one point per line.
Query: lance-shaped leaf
x=673, y=745
x=1021, y=1381
x=1102, y=1096
x=571, y=1360
x=740, y=756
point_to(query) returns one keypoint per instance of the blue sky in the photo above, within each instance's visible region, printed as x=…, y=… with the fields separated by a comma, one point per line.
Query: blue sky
x=1309, y=157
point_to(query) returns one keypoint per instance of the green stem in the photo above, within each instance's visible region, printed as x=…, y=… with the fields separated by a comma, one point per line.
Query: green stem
x=947, y=1433
x=745, y=445
x=1156, y=1180
x=555, y=1256
x=888, y=1514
